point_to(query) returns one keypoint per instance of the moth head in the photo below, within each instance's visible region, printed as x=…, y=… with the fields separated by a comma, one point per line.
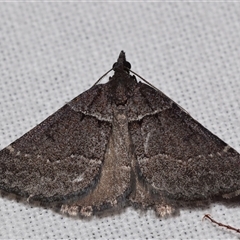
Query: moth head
x=122, y=63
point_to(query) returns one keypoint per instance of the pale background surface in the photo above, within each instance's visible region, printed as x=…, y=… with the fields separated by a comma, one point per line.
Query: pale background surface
x=51, y=52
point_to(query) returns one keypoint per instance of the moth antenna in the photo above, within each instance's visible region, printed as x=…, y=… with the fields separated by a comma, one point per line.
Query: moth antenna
x=102, y=77
x=144, y=80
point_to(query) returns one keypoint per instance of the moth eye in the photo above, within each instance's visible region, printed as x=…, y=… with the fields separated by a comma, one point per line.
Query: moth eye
x=114, y=65
x=127, y=65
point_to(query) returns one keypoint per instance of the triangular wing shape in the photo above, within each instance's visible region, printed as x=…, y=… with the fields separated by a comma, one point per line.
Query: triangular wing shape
x=58, y=159
x=180, y=158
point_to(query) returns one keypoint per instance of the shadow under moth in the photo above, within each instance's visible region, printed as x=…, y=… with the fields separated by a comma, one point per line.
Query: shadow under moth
x=118, y=144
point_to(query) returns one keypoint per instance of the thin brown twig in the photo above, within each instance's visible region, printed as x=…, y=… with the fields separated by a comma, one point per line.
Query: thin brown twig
x=221, y=224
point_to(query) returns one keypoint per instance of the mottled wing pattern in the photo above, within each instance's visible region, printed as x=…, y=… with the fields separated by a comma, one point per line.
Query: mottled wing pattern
x=58, y=159
x=178, y=157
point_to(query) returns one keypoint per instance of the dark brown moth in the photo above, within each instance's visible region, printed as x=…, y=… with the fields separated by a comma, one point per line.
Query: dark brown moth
x=117, y=144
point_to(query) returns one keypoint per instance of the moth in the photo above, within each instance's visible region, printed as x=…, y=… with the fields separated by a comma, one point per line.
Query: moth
x=118, y=144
